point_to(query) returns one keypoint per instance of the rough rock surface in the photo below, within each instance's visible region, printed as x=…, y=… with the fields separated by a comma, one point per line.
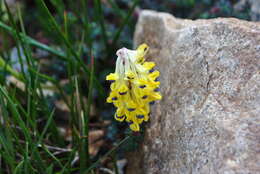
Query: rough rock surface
x=209, y=118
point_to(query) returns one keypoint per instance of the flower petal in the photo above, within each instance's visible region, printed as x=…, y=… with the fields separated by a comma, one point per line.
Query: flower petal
x=112, y=76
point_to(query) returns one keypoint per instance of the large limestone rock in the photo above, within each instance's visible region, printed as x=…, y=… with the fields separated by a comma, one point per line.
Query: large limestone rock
x=209, y=118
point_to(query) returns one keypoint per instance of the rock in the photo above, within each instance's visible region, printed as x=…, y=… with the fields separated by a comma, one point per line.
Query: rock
x=209, y=118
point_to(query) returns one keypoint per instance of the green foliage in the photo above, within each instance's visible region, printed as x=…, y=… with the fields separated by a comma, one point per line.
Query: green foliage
x=77, y=38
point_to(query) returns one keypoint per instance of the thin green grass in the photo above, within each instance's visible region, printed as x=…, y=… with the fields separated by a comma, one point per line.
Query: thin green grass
x=30, y=136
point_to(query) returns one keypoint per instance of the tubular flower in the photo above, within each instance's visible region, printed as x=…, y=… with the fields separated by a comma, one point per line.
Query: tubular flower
x=134, y=86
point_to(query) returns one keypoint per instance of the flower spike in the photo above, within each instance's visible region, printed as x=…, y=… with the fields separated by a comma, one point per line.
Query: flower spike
x=134, y=87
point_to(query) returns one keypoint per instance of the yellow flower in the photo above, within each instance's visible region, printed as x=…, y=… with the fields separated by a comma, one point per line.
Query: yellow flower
x=134, y=87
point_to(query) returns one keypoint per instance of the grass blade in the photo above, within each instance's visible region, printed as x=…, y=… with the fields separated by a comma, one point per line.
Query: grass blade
x=125, y=21
x=60, y=54
x=33, y=42
x=94, y=165
x=100, y=19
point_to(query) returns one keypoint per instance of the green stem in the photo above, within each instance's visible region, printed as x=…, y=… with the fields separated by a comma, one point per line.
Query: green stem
x=84, y=162
x=126, y=19
x=100, y=18
x=33, y=42
x=60, y=54
x=94, y=165
x=114, y=163
x=4, y=65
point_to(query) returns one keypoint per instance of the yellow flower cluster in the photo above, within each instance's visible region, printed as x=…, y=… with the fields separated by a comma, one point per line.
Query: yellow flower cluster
x=134, y=86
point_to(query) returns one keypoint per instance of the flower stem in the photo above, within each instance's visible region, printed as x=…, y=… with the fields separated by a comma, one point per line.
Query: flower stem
x=94, y=165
